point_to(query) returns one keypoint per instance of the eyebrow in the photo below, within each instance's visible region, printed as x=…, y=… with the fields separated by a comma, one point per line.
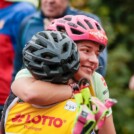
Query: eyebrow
x=87, y=46
x=98, y=50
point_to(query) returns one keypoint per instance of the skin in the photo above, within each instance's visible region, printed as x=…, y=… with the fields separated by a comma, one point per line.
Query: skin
x=37, y=92
x=89, y=53
x=108, y=127
x=131, y=83
x=53, y=8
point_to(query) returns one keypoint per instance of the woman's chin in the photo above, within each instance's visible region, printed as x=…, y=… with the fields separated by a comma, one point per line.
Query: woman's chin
x=82, y=75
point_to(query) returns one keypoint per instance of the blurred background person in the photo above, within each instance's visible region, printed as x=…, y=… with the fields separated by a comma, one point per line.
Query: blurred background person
x=11, y=15
x=49, y=10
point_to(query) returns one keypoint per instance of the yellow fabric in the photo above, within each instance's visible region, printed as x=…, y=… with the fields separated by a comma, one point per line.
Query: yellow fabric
x=23, y=118
x=92, y=90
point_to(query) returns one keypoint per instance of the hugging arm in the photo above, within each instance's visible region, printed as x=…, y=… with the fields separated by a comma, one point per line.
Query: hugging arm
x=40, y=92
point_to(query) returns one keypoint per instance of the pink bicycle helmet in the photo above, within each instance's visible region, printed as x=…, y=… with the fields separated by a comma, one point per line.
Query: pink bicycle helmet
x=80, y=27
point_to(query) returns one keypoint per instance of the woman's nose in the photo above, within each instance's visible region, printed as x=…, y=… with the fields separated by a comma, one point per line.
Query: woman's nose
x=93, y=58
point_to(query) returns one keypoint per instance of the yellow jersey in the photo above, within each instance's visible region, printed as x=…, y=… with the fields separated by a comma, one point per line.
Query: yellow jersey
x=25, y=118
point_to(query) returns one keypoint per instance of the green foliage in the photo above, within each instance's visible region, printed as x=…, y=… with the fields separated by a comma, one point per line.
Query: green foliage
x=118, y=73
x=117, y=18
x=123, y=112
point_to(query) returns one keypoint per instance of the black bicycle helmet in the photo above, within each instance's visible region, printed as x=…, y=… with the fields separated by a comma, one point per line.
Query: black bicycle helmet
x=51, y=56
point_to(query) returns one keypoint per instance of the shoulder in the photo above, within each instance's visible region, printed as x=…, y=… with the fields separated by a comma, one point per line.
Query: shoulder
x=23, y=73
x=98, y=77
x=19, y=6
x=100, y=87
x=30, y=26
x=20, y=10
x=74, y=11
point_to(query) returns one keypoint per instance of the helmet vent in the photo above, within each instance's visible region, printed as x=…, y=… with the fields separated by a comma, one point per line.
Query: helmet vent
x=37, y=61
x=68, y=19
x=54, y=67
x=72, y=24
x=65, y=48
x=89, y=24
x=61, y=29
x=71, y=59
x=55, y=37
x=80, y=24
x=98, y=27
x=32, y=49
x=43, y=35
x=40, y=44
x=63, y=36
x=76, y=31
x=47, y=55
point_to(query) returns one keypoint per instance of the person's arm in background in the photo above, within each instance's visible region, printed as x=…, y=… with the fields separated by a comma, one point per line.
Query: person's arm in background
x=108, y=127
x=131, y=83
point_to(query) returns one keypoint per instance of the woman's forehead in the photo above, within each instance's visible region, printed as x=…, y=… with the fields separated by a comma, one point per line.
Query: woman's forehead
x=88, y=44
